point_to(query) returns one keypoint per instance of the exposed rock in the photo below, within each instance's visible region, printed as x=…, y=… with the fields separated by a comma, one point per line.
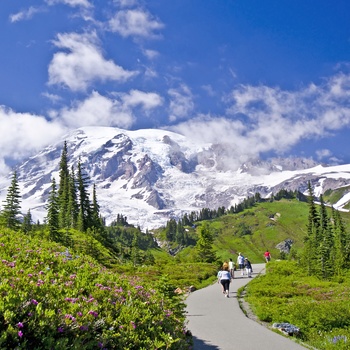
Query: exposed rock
x=285, y=246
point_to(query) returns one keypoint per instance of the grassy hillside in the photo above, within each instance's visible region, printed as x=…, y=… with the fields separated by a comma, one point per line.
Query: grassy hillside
x=259, y=228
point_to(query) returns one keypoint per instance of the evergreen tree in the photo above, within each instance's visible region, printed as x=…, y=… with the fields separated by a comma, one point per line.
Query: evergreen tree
x=170, y=230
x=12, y=206
x=84, y=216
x=27, y=225
x=95, y=208
x=135, y=251
x=326, y=242
x=180, y=234
x=204, y=246
x=63, y=189
x=312, y=239
x=341, y=251
x=73, y=207
x=53, y=212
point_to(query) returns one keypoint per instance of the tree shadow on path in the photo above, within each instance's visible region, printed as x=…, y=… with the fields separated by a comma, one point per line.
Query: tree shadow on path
x=199, y=344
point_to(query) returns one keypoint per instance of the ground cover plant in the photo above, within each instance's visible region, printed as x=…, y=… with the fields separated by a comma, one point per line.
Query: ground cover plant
x=320, y=308
x=53, y=299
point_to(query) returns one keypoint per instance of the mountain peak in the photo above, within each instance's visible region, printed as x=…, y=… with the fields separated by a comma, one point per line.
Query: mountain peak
x=153, y=175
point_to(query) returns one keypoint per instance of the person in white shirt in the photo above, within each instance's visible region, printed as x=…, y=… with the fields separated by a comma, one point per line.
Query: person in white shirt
x=231, y=267
x=240, y=262
x=224, y=278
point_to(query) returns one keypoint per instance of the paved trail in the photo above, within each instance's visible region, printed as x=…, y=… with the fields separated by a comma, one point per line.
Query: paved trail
x=218, y=323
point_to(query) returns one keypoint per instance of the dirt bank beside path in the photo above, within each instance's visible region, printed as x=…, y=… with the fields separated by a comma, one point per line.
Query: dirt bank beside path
x=218, y=323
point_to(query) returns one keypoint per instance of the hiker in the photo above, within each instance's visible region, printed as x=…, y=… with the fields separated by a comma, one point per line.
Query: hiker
x=218, y=277
x=248, y=267
x=267, y=256
x=224, y=278
x=240, y=262
x=231, y=267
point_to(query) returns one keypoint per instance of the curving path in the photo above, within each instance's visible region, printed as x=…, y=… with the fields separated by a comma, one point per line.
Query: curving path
x=218, y=323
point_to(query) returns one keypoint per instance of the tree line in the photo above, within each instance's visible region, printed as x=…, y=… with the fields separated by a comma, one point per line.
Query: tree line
x=69, y=208
x=175, y=230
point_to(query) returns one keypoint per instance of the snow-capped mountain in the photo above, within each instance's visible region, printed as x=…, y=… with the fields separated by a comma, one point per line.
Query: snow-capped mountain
x=152, y=175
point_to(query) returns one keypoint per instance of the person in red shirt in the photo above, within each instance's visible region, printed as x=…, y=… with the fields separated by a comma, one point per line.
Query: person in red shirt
x=267, y=256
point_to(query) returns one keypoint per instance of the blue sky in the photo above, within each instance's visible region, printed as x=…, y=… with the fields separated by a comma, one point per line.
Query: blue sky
x=269, y=78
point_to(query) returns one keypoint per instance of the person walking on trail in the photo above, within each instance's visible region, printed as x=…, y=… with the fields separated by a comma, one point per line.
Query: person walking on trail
x=267, y=256
x=240, y=262
x=225, y=279
x=218, y=277
x=248, y=267
x=231, y=267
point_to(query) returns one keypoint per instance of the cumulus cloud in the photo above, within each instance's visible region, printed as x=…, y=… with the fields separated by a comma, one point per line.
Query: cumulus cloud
x=181, y=103
x=21, y=134
x=81, y=62
x=148, y=100
x=263, y=119
x=72, y=3
x=25, y=14
x=135, y=23
x=104, y=111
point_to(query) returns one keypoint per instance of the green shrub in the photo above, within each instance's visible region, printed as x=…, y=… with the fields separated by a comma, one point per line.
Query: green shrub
x=53, y=299
x=319, y=308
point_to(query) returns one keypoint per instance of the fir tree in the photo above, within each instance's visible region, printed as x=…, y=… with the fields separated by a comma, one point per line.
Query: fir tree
x=341, y=251
x=27, y=224
x=135, y=251
x=326, y=241
x=95, y=209
x=73, y=207
x=180, y=234
x=53, y=212
x=205, y=246
x=63, y=189
x=84, y=216
x=312, y=239
x=12, y=206
x=170, y=230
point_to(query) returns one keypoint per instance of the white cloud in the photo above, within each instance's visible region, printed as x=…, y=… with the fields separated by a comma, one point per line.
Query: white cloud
x=135, y=23
x=104, y=111
x=181, y=103
x=148, y=100
x=83, y=63
x=52, y=97
x=150, y=54
x=72, y=3
x=262, y=119
x=95, y=110
x=21, y=134
x=25, y=14
x=323, y=153
x=126, y=3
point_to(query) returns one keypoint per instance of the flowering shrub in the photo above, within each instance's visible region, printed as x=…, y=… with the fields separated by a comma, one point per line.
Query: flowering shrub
x=52, y=299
